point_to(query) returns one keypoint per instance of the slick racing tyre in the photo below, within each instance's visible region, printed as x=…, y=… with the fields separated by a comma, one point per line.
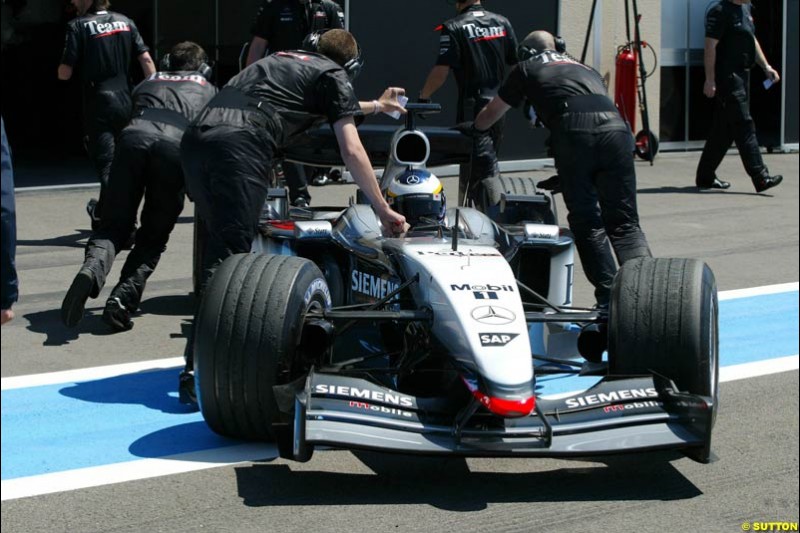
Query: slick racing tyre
x=663, y=319
x=248, y=333
x=489, y=196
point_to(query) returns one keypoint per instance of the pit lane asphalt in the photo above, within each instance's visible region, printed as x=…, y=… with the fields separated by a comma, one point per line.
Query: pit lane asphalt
x=748, y=240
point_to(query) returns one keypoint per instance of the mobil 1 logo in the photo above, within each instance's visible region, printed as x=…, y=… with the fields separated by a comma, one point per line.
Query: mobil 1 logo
x=496, y=339
x=483, y=292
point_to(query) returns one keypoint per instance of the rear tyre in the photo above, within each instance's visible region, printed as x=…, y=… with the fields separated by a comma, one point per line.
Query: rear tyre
x=248, y=332
x=663, y=319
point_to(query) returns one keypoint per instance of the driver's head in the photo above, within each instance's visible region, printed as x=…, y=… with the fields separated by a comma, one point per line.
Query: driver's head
x=417, y=195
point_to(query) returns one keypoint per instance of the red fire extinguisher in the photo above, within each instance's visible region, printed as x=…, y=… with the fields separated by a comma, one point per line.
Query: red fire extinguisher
x=625, y=84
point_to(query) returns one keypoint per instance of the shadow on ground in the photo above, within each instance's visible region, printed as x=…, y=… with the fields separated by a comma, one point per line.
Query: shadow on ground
x=73, y=240
x=447, y=483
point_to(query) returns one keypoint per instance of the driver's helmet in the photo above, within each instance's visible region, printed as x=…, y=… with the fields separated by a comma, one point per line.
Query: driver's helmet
x=417, y=194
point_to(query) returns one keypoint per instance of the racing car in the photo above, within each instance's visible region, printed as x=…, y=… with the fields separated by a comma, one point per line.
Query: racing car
x=330, y=334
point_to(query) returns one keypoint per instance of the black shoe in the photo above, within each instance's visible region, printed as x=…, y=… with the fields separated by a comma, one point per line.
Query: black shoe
x=335, y=175
x=72, y=308
x=716, y=184
x=187, y=394
x=300, y=201
x=117, y=315
x=762, y=184
x=321, y=179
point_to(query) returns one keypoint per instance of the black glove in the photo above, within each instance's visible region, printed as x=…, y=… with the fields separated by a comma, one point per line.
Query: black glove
x=468, y=128
x=420, y=100
x=552, y=184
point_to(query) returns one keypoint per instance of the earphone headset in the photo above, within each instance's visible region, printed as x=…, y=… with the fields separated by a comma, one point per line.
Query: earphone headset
x=204, y=69
x=525, y=52
x=352, y=67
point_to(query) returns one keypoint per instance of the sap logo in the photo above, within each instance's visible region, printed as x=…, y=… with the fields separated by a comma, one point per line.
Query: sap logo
x=370, y=285
x=497, y=339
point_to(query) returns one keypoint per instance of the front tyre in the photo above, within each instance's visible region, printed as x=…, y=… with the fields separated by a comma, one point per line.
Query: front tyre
x=664, y=319
x=247, y=340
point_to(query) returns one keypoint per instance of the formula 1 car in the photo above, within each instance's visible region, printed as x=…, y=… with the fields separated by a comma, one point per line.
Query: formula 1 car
x=330, y=334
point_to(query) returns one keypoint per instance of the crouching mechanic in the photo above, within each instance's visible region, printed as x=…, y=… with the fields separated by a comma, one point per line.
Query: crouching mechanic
x=227, y=152
x=593, y=151
x=146, y=164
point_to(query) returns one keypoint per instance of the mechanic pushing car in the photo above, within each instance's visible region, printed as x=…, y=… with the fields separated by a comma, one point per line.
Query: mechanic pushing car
x=592, y=147
x=102, y=44
x=283, y=25
x=477, y=45
x=146, y=164
x=227, y=152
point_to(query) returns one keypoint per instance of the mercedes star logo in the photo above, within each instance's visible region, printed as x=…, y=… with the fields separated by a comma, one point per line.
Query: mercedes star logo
x=493, y=315
x=412, y=180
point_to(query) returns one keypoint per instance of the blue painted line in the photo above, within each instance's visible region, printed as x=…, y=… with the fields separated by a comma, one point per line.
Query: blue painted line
x=63, y=427
x=752, y=329
x=67, y=426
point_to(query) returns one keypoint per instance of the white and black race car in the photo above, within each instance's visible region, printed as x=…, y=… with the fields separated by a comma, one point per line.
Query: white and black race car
x=330, y=334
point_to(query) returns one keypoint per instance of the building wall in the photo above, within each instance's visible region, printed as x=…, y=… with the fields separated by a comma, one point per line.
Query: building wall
x=609, y=32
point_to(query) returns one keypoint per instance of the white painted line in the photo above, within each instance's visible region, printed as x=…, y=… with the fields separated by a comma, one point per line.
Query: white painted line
x=758, y=291
x=88, y=374
x=759, y=368
x=57, y=187
x=726, y=373
x=96, y=476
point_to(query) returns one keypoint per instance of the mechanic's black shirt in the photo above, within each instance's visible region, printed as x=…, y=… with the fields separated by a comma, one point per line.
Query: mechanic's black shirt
x=302, y=88
x=285, y=23
x=104, y=42
x=732, y=25
x=185, y=92
x=477, y=45
x=547, y=80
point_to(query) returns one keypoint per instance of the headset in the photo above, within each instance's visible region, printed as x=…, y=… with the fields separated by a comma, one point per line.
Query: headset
x=353, y=67
x=204, y=69
x=526, y=52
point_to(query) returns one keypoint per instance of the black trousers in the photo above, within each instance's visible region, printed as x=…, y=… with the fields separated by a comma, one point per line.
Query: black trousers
x=484, y=162
x=146, y=166
x=594, y=156
x=105, y=114
x=227, y=174
x=731, y=123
